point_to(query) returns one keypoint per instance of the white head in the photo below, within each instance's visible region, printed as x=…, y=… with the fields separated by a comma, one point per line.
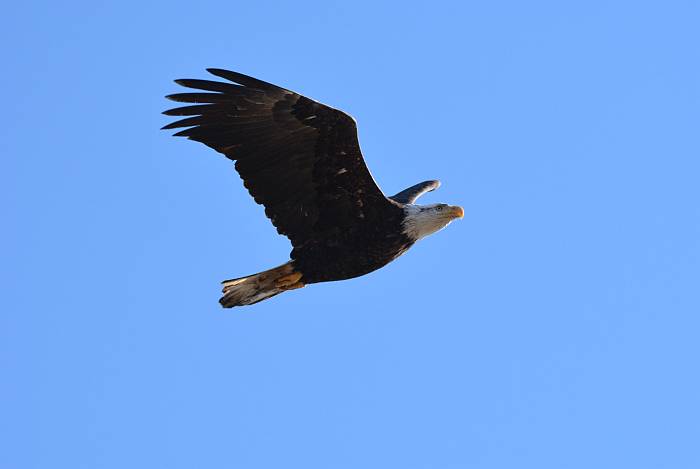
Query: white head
x=423, y=220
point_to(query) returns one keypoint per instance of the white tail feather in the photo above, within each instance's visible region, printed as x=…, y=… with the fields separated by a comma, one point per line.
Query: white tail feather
x=261, y=286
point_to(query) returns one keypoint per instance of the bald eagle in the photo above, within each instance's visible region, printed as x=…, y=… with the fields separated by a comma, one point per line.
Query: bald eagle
x=301, y=160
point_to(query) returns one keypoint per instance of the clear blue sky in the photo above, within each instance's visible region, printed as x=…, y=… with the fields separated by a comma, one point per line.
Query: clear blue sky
x=555, y=326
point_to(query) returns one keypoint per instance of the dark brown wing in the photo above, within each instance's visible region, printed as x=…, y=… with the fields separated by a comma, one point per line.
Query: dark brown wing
x=297, y=157
x=410, y=195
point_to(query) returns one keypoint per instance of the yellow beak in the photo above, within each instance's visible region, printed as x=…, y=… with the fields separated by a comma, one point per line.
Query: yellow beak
x=456, y=211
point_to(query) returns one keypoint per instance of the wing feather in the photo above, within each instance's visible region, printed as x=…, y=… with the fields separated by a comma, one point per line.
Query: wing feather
x=299, y=158
x=409, y=196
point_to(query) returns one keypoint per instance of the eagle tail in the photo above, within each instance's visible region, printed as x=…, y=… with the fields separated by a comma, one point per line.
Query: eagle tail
x=261, y=286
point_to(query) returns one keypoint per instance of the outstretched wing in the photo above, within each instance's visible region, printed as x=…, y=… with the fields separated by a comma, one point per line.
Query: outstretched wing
x=409, y=196
x=297, y=157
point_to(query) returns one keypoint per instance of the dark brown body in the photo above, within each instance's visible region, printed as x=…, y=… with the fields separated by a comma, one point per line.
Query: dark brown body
x=352, y=255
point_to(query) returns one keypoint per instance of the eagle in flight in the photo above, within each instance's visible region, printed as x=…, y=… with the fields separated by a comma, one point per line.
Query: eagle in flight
x=301, y=160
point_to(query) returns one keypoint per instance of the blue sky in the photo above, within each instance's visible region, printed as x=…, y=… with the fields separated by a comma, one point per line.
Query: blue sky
x=556, y=326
